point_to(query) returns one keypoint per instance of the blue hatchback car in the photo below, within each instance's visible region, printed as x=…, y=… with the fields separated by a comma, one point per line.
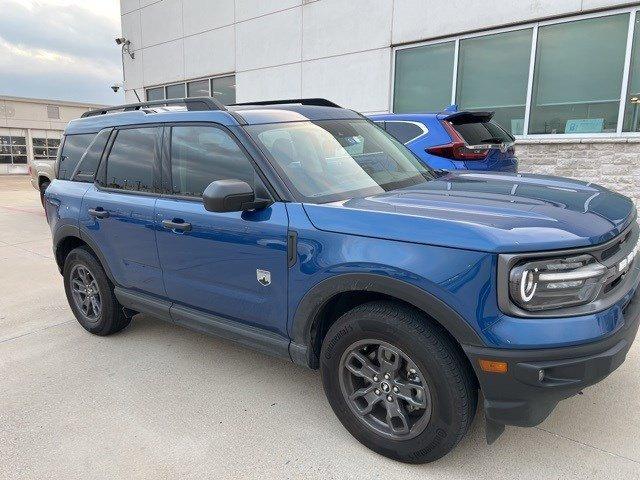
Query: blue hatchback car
x=303, y=230
x=453, y=140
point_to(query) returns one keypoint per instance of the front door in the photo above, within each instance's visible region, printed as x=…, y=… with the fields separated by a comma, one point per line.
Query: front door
x=232, y=265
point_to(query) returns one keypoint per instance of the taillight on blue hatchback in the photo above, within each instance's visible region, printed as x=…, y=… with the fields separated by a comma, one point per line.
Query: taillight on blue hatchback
x=457, y=149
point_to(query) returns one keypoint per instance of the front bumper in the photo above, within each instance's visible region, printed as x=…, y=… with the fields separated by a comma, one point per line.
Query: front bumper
x=519, y=397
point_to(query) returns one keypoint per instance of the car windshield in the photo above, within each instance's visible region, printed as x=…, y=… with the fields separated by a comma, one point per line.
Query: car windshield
x=331, y=160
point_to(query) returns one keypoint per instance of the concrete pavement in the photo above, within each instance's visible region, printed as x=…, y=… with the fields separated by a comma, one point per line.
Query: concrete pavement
x=159, y=401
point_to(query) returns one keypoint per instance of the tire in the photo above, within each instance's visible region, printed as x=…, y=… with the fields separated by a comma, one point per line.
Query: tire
x=43, y=187
x=449, y=390
x=109, y=317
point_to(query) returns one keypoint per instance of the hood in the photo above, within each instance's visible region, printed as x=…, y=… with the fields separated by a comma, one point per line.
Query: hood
x=486, y=212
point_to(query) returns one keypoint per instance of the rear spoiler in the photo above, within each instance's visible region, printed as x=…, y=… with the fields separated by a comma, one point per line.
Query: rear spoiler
x=459, y=118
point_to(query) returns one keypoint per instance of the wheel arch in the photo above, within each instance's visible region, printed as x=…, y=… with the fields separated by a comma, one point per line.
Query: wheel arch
x=329, y=299
x=68, y=237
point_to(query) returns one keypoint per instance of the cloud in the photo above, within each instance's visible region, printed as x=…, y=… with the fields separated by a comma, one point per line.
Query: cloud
x=60, y=49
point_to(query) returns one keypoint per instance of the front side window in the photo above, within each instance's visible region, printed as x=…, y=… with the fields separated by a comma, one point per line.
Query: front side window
x=578, y=76
x=492, y=75
x=203, y=154
x=72, y=151
x=423, y=78
x=331, y=160
x=130, y=164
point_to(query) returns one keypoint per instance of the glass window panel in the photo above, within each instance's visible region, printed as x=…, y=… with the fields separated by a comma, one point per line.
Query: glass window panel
x=91, y=158
x=175, y=91
x=40, y=151
x=5, y=149
x=5, y=140
x=53, y=142
x=18, y=140
x=578, y=75
x=74, y=147
x=201, y=155
x=20, y=159
x=224, y=89
x=19, y=150
x=199, y=88
x=632, y=110
x=423, y=78
x=131, y=160
x=155, y=94
x=403, y=131
x=39, y=142
x=52, y=152
x=5, y=158
x=492, y=75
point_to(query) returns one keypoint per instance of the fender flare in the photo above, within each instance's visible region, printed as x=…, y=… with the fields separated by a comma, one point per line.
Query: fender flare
x=67, y=231
x=317, y=298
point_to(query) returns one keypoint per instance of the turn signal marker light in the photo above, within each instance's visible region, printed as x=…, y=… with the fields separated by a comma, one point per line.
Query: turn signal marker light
x=491, y=366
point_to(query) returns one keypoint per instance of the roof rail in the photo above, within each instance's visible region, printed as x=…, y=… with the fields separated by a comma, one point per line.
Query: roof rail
x=319, y=102
x=192, y=104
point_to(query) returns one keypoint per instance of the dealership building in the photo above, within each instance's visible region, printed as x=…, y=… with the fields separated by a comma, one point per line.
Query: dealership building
x=562, y=76
x=31, y=128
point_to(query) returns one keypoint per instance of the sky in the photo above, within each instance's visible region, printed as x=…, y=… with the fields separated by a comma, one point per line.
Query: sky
x=60, y=49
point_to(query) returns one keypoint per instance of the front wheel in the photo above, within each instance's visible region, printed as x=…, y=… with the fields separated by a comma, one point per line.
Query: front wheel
x=397, y=382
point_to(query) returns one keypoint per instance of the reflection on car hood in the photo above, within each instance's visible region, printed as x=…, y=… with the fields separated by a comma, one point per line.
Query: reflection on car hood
x=484, y=211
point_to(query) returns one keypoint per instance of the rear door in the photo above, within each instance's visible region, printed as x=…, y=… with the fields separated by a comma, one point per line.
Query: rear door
x=118, y=211
x=214, y=262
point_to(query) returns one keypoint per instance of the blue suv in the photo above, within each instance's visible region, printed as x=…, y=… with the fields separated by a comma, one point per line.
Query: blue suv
x=303, y=230
x=453, y=140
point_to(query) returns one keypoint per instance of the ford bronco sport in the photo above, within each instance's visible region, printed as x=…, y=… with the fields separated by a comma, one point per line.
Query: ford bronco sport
x=304, y=230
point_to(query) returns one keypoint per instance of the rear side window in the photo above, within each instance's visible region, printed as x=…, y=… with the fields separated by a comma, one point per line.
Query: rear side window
x=479, y=133
x=131, y=161
x=404, y=131
x=72, y=151
x=203, y=154
x=88, y=165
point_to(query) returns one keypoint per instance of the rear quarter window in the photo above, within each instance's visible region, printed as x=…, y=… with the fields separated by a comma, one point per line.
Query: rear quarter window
x=86, y=169
x=404, y=131
x=72, y=150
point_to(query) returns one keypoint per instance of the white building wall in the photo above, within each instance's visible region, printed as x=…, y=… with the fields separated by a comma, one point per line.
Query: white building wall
x=342, y=50
x=339, y=49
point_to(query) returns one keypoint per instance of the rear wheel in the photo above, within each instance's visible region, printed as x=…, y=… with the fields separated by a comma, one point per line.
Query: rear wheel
x=397, y=382
x=90, y=294
x=43, y=187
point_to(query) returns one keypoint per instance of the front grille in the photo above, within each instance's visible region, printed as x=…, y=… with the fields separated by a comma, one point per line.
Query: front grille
x=611, y=254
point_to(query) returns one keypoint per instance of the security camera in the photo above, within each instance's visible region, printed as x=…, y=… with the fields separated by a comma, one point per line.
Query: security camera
x=120, y=40
x=115, y=88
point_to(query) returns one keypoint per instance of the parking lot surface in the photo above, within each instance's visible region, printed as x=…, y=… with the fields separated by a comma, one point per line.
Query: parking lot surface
x=159, y=401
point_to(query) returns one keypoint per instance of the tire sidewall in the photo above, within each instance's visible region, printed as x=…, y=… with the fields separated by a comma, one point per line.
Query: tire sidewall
x=440, y=435
x=80, y=256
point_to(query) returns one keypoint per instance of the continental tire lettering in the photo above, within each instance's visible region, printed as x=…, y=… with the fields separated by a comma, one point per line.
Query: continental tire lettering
x=439, y=436
x=341, y=333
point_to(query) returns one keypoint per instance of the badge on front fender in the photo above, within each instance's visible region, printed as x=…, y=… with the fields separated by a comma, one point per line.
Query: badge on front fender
x=264, y=277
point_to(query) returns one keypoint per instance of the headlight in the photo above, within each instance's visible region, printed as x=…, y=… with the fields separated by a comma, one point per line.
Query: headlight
x=556, y=282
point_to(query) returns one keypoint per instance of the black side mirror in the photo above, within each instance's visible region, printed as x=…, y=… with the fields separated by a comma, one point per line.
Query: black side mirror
x=231, y=196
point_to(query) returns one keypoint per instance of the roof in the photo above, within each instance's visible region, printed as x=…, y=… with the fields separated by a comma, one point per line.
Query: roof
x=48, y=101
x=209, y=110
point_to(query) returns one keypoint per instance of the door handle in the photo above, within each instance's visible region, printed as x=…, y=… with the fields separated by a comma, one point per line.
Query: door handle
x=98, y=212
x=176, y=224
